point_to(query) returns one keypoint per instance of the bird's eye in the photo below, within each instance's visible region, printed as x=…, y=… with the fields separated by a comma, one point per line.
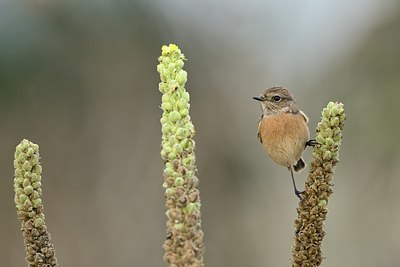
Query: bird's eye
x=276, y=98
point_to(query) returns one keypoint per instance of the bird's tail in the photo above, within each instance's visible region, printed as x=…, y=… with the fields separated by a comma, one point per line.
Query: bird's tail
x=300, y=164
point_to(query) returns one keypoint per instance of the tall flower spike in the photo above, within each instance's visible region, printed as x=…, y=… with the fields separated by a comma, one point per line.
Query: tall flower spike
x=312, y=210
x=184, y=242
x=27, y=186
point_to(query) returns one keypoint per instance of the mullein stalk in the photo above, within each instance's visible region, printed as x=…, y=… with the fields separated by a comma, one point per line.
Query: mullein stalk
x=312, y=210
x=27, y=187
x=184, y=240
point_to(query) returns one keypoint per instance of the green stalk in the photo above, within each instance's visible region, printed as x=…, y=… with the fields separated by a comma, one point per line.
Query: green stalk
x=27, y=186
x=184, y=242
x=312, y=210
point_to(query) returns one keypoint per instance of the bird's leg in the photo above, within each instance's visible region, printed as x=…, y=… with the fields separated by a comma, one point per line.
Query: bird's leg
x=297, y=192
x=311, y=142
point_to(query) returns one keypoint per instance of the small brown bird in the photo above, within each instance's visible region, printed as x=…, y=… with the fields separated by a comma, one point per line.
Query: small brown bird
x=283, y=130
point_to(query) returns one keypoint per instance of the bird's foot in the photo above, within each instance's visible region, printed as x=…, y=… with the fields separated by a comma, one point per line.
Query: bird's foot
x=299, y=193
x=311, y=142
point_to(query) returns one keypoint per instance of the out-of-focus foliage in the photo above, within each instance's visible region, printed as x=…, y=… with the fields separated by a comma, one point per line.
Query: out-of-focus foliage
x=80, y=80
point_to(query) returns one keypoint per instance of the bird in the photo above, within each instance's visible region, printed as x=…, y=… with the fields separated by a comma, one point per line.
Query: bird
x=283, y=130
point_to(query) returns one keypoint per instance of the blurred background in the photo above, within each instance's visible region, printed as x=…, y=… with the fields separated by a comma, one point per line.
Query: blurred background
x=79, y=79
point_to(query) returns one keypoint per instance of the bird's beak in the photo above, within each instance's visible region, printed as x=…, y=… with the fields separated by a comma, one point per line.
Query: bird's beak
x=257, y=98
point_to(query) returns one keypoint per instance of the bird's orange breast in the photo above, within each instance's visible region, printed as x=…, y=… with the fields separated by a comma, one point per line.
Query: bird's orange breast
x=284, y=137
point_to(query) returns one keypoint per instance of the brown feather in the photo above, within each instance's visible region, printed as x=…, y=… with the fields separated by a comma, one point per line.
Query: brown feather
x=283, y=137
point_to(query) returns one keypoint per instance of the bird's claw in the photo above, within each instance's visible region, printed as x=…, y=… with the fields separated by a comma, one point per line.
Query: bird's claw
x=311, y=142
x=298, y=194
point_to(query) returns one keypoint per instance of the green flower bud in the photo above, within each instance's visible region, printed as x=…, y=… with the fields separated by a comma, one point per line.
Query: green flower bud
x=164, y=119
x=173, y=129
x=165, y=98
x=23, y=198
x=24, y=145
x=35, y=195
x=179, y=181
x=38, y=169
x=185, y=143
x=329, y=141
x=22, y=157
x=191, y=207
x=179, y=64
x=168, y=171
x=169, y=165
x=320, y=139
x=334, y=111
x=27, y=166
x=159, y=67
x=189, y=174
x=18, y=172
x=164, y=153
x=330, y=105
x=181, y=77
x=166, y=106
x=322, y=203
x=19, y=180
x=336, y=138
x=165, y=128
x=27, y=204
x=30, y=152
x=172, y=155
x=181, y=133
x=325, y=112
x=328, y=132
x=335, y=121
x=162, y=87
x=36, y=177
x=186, y=96
x=189, y=126
x=181, y=104
x=28, y=190
x=184, y=112
x=172, y=140
x=36, y=185
x=170, y=191
x=19, y=191
x=35, y=147
x=36, y=203
x=31, y=214
x=18, y=149
x=171, y=67
x=174, y=116
x=165, y=185
x=178, y=226
x=38, y=222
x=188, y=161
x=173, y=85
x=164, y=75
x=327, y=155
x=177, y=148
x=34, y=160
x=26, y=182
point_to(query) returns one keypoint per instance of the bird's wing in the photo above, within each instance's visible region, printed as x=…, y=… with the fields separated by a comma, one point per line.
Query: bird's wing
x=304, y=116
x=258, y=132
